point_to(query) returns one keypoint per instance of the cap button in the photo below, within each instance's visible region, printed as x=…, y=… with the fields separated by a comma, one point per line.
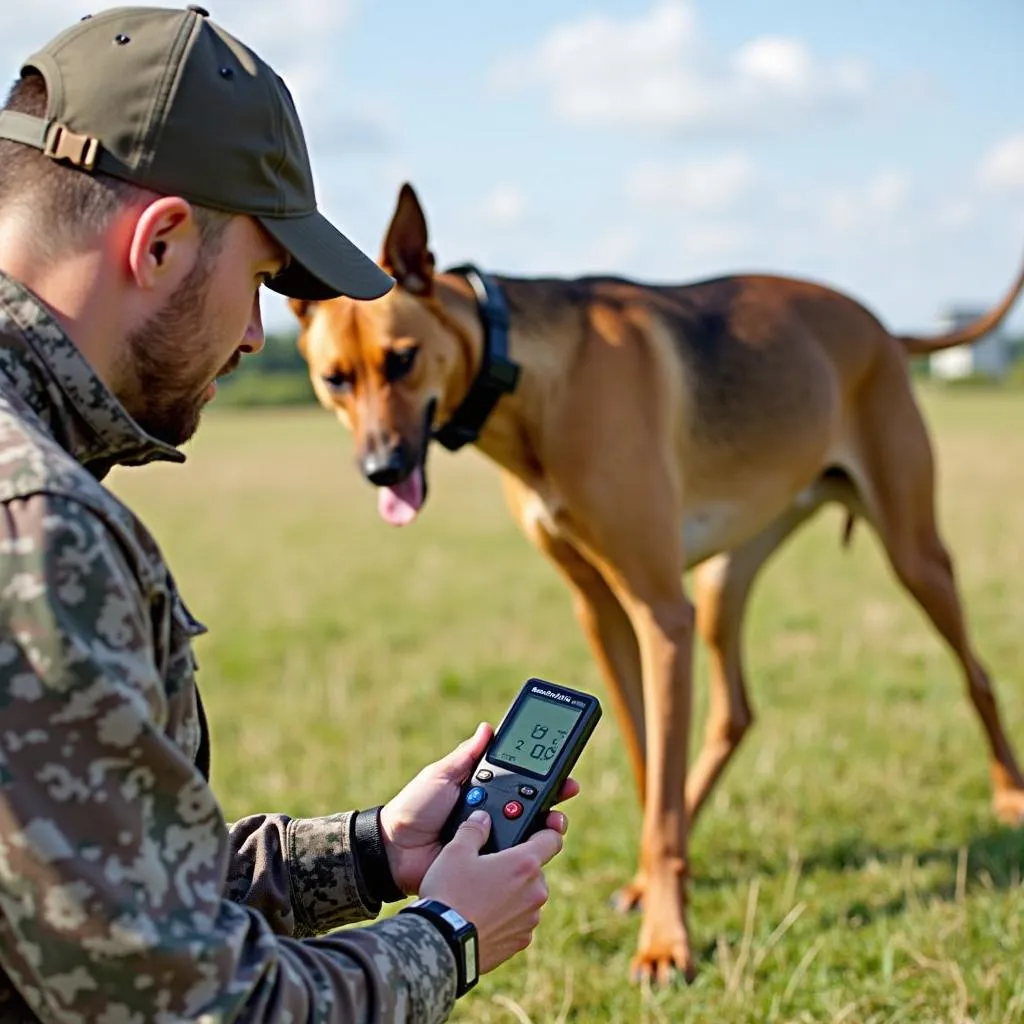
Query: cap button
x=201, y=11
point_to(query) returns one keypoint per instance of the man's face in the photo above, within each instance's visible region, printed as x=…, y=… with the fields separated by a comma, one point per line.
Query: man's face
x=201, y=333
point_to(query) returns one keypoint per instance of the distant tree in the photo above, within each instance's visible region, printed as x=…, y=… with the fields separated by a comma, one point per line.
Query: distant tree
x=1016, y=345
x=280, y=355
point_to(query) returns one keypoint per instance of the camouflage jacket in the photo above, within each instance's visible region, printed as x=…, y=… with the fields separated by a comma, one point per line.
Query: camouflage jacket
x=125, y=896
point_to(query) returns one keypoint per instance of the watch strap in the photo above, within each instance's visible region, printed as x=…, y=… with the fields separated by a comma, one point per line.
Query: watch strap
x=460, y=935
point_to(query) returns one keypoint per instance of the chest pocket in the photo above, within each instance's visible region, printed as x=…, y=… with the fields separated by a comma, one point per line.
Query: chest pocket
x=186, y=722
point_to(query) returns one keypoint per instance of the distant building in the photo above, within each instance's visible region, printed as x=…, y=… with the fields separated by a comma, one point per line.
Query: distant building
x=989, y=356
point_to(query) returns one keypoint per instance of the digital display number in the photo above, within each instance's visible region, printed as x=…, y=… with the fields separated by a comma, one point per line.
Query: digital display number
x=536, y=734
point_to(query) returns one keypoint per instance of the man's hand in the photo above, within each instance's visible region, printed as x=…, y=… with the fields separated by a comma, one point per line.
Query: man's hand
x=502, y=894
x=411, y=822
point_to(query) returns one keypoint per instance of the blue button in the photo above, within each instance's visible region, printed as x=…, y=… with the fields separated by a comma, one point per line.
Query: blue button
x=476, y=796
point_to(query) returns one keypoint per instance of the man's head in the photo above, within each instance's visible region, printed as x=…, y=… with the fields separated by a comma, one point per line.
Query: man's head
x=155, y=164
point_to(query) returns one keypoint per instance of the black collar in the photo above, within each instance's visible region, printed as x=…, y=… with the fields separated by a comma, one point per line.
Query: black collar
x=498, y=375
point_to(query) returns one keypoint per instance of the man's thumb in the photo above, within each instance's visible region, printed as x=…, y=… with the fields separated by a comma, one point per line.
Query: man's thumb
x=459, y=763
x=473, y=832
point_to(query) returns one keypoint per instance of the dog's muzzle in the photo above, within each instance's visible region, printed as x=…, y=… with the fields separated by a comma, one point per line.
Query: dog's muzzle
x=399, y=472
x=386, y=467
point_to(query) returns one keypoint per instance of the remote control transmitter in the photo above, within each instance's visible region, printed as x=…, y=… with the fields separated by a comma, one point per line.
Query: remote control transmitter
x=530, y=756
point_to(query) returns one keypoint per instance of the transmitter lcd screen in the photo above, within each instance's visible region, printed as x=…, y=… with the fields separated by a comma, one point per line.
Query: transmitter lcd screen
x=535, y=735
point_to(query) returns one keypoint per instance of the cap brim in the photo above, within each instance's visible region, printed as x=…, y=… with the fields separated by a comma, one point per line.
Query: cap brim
x=324, y=263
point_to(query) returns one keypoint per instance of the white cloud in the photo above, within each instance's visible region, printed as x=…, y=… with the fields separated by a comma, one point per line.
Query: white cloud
x=881, y=197
x=715, y=183
x=615, y=247
x=716, y=242
x=655, y=72
x=1002, y=167
x=776, y=62
x=887, y=192
x=504, y=206
x=955, y=213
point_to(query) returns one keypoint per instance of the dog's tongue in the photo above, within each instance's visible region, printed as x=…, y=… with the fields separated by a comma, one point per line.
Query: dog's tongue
x=400, y=504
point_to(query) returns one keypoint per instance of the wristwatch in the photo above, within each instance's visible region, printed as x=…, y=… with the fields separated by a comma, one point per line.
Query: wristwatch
x=460, y=935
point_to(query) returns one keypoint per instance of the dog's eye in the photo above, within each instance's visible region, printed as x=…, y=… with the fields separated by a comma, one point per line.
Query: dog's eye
x=398, y=362
x=338, y=381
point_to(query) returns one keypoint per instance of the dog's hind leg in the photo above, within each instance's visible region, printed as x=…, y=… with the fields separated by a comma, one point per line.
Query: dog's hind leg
x=899, y=492
x=722, y=586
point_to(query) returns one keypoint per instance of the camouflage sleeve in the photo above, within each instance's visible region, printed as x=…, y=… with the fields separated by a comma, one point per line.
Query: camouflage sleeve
x=113, y=850
x=302, y=874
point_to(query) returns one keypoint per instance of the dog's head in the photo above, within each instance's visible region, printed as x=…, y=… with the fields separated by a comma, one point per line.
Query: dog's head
x=386, y=368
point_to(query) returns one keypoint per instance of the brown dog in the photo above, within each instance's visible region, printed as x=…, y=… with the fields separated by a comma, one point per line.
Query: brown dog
x=641, y=431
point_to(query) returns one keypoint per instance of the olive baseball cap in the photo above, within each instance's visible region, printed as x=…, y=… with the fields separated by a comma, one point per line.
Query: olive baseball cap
x=170, y=101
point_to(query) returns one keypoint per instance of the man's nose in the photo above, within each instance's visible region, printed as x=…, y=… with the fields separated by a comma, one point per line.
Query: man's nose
x=255, y=338
x=384, y=465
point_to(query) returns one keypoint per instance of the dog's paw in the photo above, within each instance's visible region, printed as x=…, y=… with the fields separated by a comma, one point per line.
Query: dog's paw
x=1008, y=805
x=661, y=963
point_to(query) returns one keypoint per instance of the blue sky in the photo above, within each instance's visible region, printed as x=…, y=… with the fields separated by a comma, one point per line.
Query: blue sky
x=876, y=146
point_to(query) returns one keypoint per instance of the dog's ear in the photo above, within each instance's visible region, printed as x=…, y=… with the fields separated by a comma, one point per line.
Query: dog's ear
x=302, y=308
x=405, y=255
x=303, y=311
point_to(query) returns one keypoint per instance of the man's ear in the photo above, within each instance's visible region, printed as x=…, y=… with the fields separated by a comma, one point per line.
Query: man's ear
x=405, y=254
x=164, y=245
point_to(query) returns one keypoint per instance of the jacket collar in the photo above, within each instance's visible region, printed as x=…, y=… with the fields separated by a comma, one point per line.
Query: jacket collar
x=46, y=370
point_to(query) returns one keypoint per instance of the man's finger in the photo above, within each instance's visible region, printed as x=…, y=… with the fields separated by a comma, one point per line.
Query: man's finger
x=546, y=843
x=569, y=789
x=473, y=832
x=558, y=821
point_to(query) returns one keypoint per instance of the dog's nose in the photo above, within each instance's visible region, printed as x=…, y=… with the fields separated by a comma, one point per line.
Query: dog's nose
x=384, y=468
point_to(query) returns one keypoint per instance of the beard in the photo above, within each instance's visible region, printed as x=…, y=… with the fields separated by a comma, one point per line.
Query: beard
x=166, y=359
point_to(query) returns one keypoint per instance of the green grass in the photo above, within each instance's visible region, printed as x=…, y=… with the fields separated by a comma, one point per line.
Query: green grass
x=848, y=867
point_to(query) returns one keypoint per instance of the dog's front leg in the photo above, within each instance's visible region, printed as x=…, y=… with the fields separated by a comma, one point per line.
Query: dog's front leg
x=632, y=534
x=664, y=625
x=644, y=568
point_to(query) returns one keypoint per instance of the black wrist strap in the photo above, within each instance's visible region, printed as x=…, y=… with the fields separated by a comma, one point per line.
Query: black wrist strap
x=373, y=858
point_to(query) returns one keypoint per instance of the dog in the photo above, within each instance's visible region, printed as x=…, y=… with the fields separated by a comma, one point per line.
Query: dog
x=642, y=431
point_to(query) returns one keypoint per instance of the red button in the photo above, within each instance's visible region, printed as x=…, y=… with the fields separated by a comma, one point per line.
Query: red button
x=513, y=809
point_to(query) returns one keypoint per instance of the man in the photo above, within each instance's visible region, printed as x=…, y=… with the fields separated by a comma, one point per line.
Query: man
x=153, y=175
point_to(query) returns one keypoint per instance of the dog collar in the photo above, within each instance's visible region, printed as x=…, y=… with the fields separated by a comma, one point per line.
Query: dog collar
x=498, y=375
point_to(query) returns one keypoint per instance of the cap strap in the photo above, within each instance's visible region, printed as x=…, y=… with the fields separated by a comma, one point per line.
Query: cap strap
x=23, y=128
x=56, y=141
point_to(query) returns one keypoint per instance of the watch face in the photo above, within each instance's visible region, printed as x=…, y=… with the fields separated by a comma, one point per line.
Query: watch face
x=471, y=960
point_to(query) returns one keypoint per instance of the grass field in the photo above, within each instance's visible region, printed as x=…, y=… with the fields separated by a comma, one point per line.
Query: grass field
x=848, y=868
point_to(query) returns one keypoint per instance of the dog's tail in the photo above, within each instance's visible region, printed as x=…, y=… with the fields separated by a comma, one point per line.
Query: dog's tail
x=919, y=345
